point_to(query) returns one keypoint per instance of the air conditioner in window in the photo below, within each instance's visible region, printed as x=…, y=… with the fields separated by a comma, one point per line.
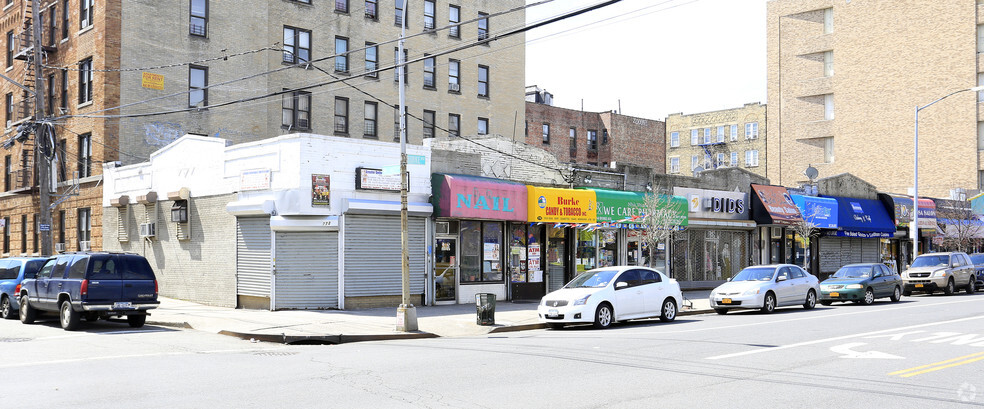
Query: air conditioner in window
x=443, y=228
x=148, y=229
x=60, y=247
x=302, y=123
x=454, y=87
x=85, y=246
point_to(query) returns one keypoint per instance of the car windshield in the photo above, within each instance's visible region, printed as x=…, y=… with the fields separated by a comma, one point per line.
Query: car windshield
x=592, y=279
x=977, y=258
x=931, y=261
x=853, y=272
x=755, y=274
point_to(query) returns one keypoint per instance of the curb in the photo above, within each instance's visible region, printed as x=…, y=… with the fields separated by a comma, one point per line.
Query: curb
x=182, y=325
x=695, y=312
x=325, y=339
x=517, y=328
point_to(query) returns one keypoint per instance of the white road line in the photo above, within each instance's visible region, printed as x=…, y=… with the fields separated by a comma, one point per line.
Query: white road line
x=820, y=341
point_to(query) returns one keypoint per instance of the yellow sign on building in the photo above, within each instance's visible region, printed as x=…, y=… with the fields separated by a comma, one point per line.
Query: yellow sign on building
x=561, y=205
x=152, y=81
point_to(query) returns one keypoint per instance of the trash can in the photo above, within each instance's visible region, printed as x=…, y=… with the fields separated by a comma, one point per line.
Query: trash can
x=485, y=309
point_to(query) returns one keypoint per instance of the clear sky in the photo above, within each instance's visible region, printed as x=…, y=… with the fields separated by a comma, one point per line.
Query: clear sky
x=657, y=56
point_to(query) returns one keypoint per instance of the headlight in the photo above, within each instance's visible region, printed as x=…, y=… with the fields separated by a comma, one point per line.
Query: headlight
x=853, y=286
x=581, y=301
x=752, y=291
x=941, y=273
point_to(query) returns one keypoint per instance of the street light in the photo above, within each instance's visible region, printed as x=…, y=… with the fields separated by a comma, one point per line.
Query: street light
x=915, y=170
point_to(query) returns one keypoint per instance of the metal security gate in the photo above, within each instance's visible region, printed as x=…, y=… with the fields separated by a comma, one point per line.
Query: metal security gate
x=709, y=255
x=836, y=252
x=307, y=270
x=253, y=256
x=372, y=255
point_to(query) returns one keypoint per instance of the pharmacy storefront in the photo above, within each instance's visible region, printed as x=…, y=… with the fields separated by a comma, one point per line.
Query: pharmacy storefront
x=619, y=235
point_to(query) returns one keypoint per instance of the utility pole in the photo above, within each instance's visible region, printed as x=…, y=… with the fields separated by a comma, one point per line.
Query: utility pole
x=42, y=137
x=406, y=314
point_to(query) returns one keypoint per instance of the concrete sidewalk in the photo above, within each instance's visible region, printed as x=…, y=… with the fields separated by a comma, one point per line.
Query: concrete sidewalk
x=336, y=327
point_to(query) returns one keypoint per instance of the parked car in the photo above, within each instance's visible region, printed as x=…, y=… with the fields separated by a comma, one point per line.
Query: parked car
x=606, y=295
x=978, y=260
x=765, y=288
x=861, y=283
x=12, y=272
x=935, y=271
x=94, y=285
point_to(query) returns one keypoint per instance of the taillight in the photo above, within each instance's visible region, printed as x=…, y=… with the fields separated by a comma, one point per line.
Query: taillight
x=17, y=289
x=85, y=287
x=155, y=287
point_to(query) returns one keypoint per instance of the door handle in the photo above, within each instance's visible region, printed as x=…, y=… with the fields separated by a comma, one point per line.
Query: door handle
x=59, y=284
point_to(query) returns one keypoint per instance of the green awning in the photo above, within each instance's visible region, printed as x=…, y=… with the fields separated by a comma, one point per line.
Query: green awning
x=616, y=206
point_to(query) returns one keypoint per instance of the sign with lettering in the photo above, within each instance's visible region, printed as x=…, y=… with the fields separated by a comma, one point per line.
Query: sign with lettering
x=476, y=197
x=561, y=205
x=152, y=81
x=715, y=204
x=617, y=206
x=778, y=204
x=257, y=179
x=375, y=179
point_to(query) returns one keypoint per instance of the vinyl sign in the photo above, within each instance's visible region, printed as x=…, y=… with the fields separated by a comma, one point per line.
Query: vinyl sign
x=552, y=205
x=715, y=204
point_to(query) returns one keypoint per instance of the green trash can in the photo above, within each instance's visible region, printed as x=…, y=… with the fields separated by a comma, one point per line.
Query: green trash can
x=485, y=309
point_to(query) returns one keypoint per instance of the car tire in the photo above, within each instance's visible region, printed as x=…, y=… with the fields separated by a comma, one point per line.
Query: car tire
x=5, y=311
x=668, y=311
x=27, y=313
x=769, y=304
x=604, y=316
x=721, y=311
x=897, y=295
x=869, y=297
x=811, y=300
x=906, y=293
x=136, y=321
x=68, y=317
x=950, y=288
x=826, y=303
x=971, y=286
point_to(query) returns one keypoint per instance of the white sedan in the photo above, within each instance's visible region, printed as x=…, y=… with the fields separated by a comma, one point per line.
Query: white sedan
x=606, y=295
x=765, y=288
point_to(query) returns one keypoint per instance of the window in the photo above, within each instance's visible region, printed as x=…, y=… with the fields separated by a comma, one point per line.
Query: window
x=296, y=110
x=52, y=24
x=674, y=139
x=199, y=18
x=694, y=162
x=429, y=81
x=84, y=226
x=477, y=264
x=341, y=6
x=751, y=130
x=720, y=161
x=454, y=124
x=34, y=236
x=23, y=234
x=62, y=158
x=372, y=60
x=429, y=119
x=980, y=82
x=10, y=49
x=483, y=81
x=734, y=133
x=693, y=137
x=751, y=158
x=546, y=134
x=720, y=134
x=85, y=80
x=828, y=63
x=85, y=155
x=708, y=164
x=592, y=140
x=9, y=108
x=397, y=61
x=573, y=139
x=369, y=118
x=675, y=165
x=483, y=126
x=708, y=138
x=341, y=54
x=454, y=17
x=65, y=19
x=197, y=86
x=604, y=137
x=828, y=20
x=371, y=9
x=297, y=45
x=483, y=26
x=399, y=14
x=61, y=226
x=429, y=6
x=85, y=13
x=64, y=89
x=828, y=150
x=828, y=106
x=6, y=234
x=341, y=115
x=734, y=159
x=51, y=94
x=454, y=82
x=6, y=172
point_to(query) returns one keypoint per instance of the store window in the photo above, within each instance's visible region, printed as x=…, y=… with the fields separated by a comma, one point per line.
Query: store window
x=524, y=253
x=481, y=252
x=587, y=250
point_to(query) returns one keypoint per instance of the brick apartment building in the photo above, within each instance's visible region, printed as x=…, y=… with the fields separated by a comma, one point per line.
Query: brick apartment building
x=710, y=140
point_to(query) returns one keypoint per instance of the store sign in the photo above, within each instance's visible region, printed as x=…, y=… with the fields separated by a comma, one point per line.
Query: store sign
x=479, y=198
x=715, y=204
x=258, y=179
x=618, y=206
x=374, y=179
x=820, y=211
x=561, y=205
x=903, y=213
x=778, y=203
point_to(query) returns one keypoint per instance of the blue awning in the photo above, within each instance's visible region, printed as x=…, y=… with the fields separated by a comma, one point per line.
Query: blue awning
x=821, y=211
x=863, y=218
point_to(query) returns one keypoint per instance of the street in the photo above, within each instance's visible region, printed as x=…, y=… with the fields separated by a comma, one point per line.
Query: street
x=925, y=351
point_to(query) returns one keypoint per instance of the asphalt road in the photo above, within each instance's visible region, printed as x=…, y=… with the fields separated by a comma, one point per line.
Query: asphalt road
x=926, y=351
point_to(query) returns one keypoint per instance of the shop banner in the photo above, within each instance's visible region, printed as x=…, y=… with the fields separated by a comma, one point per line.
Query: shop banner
x=715, y=204
x=903, y=212
x=473, y=197
x=821, y=211
x=777, y=203
x=616, y=206
x=857, y=216
x=551, y=205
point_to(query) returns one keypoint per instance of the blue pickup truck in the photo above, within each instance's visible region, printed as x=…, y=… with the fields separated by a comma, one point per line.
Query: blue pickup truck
x=92, y=285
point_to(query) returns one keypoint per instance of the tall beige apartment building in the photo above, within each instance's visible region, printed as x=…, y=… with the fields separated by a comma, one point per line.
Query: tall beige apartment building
x=845, y=78
x=733, y=137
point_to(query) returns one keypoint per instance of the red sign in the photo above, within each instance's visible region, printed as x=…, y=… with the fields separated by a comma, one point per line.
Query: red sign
x=778, y=203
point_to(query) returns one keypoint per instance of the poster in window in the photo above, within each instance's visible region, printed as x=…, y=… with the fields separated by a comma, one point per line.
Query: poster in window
x=491, y=251
x=320, y=190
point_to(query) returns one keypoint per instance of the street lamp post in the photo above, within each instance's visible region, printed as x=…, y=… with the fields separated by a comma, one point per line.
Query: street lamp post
x=914, y=228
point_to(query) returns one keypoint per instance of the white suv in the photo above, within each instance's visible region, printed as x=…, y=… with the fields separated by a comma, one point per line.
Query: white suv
x=935, y=271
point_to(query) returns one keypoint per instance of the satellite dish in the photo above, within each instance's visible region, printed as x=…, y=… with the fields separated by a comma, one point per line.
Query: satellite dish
x=811, y=173
x=697, y=170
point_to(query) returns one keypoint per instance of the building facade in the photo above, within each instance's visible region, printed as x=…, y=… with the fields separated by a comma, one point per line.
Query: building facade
x=720, y=139
x=842, y=104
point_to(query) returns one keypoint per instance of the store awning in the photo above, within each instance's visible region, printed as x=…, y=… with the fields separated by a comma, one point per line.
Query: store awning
x=977, y=204
x=970, y=228
x=773, y=205
x=616, y=206
x=821, y=211
x=863, y=218
x=474, y=197
x=552, y=205
x=900, y=211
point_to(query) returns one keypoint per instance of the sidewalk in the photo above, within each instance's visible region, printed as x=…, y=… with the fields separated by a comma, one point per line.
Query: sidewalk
x=336, y=327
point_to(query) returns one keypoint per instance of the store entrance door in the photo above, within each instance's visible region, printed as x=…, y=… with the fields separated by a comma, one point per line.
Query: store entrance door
x=445, y=270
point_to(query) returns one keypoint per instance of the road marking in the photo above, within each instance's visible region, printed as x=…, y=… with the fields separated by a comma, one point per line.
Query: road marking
x=846, y=352
x=820, y=341
x=936, y=366
x=103, y=358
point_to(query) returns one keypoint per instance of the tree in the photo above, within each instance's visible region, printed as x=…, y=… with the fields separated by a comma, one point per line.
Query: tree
x=806, y=228
x=663, y=215
x=962, y=229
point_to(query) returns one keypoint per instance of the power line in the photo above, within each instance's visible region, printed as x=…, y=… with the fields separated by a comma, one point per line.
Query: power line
x=157, y=67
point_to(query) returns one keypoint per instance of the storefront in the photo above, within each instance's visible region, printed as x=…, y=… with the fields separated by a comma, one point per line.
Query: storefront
x=861, y=225
x=775, y=213
x=897, y=250
x=619, y=235
x=563, y=214
x=717, y=242
x=820, y=213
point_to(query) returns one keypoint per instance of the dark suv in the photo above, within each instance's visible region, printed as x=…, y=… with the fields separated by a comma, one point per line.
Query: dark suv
x=92, y=284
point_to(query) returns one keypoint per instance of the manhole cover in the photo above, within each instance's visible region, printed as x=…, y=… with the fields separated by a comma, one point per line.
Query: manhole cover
x=274, y=353
x=14, y=339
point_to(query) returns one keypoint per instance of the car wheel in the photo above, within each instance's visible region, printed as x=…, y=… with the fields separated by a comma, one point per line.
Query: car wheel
x=950, y=288
x=811, y=300
x=603, y=316
x=669, y=310
x=906, y=293
x=897, y=295
x=971, y=286
x=69, y=317
x=721, y=311
x=136, y=321
x=5, y=311
x=825, y=303
x=869, y=297
x=27, y=312
x=769, y=306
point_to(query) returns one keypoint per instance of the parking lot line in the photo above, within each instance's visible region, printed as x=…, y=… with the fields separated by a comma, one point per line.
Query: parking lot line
x=936, y=366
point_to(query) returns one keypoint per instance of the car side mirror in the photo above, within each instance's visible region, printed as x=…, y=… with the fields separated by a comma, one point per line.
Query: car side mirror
x=781, y=279
x=621, y=284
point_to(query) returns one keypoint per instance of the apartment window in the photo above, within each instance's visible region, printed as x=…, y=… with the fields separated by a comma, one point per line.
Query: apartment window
x=396, y=122
x=694, y=162
x=85, y=13
x=341, y=115
x=397, y=61
x=708, y=164
x=296, y=110
x=341, y=54
x=483, y=81
x=10, y=49
x=51, y=93
x=734, y=159
x=454, y=80
x=399, y=14
x=674, y=139
x=52, y=24
x=708, y=138
x=720, y=134
x=429, y=21
x=980, y=82
x=85, y=155
x=828, y=150
x=828, y=106
x=675, y=165
x=9, y=108
x=371, y=112
x=84, y=226
x=297, y=45
x=828, y=63
x=483, y=26
x=751, y=158
x=429, y=119
x=197, y=86
x=62, y=157
x=429, y=81
x=7, y=172
x=483, y=126
x=65, y=19
x=454, y=17
x=372, y=60
x=546, y=133
x=573, y=139
x=604, y=137
x=751, y=130
x=592, y=140
x=720, y=161
x=6, y=234
x=61, y=226
x=454, y=124
x=980, y=38
x=23, y=234
x=85, y=80
x=64, y=89
x=828, y=20
x=734, y=133
x=341, y=6
x=693, y=137
x=199, y=18
x=34, y=236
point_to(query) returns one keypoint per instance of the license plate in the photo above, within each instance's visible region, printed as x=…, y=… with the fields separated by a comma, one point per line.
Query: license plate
x=553, y=313
x=835, y=294
x=726, y=301
x=919, y=285
x=122, y=305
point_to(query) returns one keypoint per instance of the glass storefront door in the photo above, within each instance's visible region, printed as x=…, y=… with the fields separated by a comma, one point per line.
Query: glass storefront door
x=557, y=257
x=445, y=269
x=525, y=269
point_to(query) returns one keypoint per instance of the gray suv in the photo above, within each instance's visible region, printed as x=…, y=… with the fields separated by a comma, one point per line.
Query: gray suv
x=940, y=271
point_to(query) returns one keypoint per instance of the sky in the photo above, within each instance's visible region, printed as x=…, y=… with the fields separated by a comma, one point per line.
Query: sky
x=656, y=57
